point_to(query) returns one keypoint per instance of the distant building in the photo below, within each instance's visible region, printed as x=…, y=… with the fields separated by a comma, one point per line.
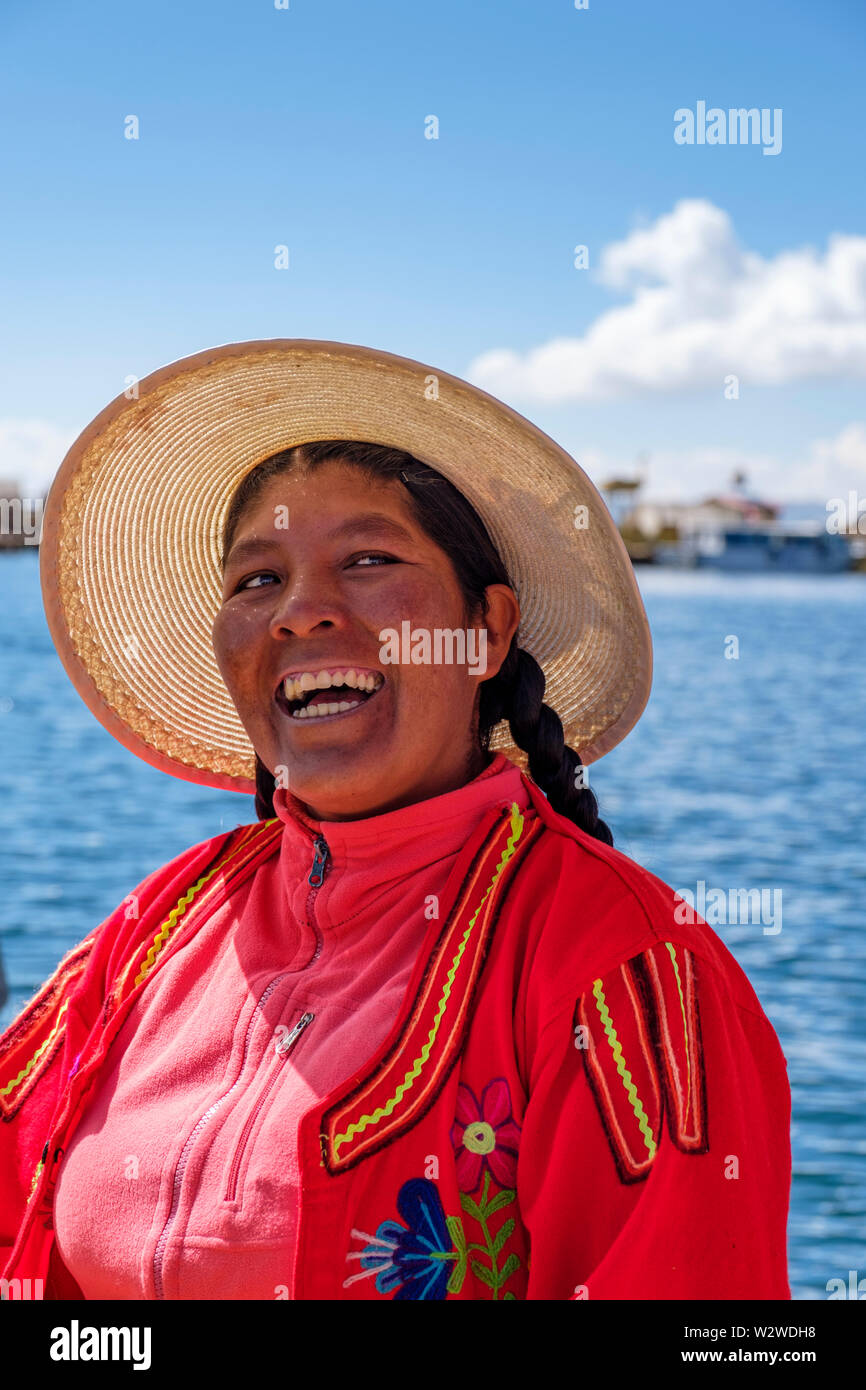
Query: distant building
x=687, y=518
x=619, y=494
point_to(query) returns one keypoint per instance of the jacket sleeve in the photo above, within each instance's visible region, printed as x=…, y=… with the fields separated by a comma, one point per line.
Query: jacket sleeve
x=39, y=1049
x=655, y=1154
x=31, y=1078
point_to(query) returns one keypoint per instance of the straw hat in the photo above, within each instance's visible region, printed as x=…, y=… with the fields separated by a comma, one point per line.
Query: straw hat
x=132, y=531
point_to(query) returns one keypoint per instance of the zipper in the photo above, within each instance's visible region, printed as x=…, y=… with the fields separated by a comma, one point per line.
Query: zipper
x=320, y=855
x=316, y=876
x=282, y=1048
x=159, y=1252
x=321, y=852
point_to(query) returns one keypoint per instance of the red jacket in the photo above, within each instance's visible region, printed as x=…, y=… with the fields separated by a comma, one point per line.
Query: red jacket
x=581, y=1096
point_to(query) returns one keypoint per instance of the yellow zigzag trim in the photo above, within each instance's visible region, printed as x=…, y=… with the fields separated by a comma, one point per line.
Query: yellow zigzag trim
x=685, y=1033
x=415, y=1070
x=40, y=1165
x=625, y=1074
x=171, y=920
x=10, y=1085
x=158, y=943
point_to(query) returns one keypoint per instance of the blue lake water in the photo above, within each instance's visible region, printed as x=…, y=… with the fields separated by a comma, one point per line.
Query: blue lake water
x=744, y=773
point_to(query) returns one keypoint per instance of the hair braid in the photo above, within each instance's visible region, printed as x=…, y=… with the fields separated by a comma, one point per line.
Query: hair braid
x=537, y=729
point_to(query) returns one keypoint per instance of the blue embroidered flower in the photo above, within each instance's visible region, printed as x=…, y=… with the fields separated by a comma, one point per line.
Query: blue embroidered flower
x=413, y=1259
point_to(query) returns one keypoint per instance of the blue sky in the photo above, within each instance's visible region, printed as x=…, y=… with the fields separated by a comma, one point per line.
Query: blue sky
x=305, y=127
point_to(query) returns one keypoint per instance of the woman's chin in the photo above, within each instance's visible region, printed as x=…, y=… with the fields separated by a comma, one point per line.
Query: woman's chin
x=326, y=769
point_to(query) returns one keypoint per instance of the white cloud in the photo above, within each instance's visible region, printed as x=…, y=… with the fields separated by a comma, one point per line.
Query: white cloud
x=833, y=465
x=701, y=308
x=31, y=452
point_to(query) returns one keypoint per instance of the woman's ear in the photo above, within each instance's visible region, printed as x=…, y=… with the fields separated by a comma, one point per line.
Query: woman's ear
x=501, y=620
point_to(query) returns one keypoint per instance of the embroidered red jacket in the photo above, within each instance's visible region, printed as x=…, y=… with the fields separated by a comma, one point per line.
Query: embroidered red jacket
x=581, y=1096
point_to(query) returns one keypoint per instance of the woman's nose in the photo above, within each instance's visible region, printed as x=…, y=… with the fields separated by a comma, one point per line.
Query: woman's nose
x=304, y=605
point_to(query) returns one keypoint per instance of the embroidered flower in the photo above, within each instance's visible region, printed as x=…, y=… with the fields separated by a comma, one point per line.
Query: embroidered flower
x=413, y=1259
x=485, y=1136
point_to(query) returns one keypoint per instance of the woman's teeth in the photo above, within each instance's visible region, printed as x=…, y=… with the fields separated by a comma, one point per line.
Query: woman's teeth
x=296, y=687
x=312, y=711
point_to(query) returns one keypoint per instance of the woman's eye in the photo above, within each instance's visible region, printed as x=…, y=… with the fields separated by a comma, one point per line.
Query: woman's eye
x=373, y=555
x=250, y=583
x=254, y=581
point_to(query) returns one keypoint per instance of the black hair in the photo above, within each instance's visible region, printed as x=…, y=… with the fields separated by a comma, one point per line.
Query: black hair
x=516, y=692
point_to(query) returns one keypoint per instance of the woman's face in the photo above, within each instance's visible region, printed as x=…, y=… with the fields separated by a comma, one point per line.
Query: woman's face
x=321, y=564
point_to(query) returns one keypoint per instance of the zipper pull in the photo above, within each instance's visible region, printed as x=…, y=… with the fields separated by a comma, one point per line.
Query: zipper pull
x=318, y=870
x=290, y=1039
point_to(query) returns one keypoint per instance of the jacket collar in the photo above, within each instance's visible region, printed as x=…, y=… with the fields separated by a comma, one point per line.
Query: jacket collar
x=365, y=856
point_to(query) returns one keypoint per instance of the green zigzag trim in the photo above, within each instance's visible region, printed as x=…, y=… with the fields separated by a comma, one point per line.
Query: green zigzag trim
x=35, y=1179
x=171, y=920
x=673, y=957
x=414, y=1071
x=625, y=1074
x=10, y=1085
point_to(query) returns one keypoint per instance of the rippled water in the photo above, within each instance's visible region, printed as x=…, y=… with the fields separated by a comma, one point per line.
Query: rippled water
x=742, y=773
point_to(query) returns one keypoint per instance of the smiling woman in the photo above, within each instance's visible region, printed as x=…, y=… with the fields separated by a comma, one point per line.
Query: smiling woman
x=418, y=1031
x=327, y=606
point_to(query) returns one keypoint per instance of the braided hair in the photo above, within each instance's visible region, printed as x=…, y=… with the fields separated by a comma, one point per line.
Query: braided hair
x=516, y=692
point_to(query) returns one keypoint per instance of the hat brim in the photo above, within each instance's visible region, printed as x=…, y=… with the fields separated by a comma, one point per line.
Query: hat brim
x=132, y=526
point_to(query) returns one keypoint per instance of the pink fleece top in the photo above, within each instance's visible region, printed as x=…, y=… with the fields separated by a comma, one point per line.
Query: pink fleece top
x=181, y=1179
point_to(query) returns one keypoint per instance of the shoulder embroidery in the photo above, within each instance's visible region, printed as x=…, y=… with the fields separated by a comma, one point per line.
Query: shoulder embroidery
x=235, y=854
x=30, y=1043
x=390, y=1099
x=33, y=1039
x=650, y=1000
